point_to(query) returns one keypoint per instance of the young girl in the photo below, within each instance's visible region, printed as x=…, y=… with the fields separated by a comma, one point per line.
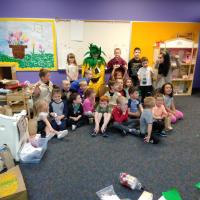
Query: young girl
x=89, y=102
x=75, y=111
x=41, y=113
x=128, y=83
x=72, y=68
x=102, y=116
x=167, y=91
x=58, y=110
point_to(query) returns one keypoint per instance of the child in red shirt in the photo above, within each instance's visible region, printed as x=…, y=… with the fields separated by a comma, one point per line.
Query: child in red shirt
x=120, y=117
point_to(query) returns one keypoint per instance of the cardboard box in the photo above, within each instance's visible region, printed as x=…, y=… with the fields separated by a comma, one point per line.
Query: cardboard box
x=12, y=185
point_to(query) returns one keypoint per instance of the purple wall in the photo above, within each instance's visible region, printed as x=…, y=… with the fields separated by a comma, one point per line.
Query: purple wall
x=140, y=10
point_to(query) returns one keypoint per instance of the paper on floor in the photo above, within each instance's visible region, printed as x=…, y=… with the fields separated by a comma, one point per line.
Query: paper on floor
x=146, y=196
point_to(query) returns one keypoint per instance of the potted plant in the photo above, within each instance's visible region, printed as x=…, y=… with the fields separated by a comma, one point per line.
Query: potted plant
x=17, y=41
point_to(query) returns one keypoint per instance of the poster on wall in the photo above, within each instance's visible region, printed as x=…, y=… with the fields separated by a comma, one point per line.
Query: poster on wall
x=29, y=42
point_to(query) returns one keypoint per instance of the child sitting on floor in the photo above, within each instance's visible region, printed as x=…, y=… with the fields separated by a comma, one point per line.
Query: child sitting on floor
x=128, y=83
x=134, y=105
x=113, y=93
x=120, y=117
x=167, y=91
x=89, y=103
x=146, y=122
x=75, y=111
x=160, y=114
x=41, y=113
x=102, y=116
x=58, y=110
x=82, y=88
x=66, y=90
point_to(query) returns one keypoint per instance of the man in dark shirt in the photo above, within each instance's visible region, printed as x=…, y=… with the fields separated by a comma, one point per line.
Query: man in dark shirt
x=134, y=65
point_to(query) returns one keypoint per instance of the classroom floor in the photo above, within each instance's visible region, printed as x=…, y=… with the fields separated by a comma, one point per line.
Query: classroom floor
x=78, y=166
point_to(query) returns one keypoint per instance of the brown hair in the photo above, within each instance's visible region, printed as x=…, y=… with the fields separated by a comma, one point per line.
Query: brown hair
x=43, y=72
x=71, y=55
x=88, y=92
x=55, y=91
x=149, y=102
x=117, y=49
x=127, y=79
x=111, y=83
x=158, y=95
x=144, y=59
x=73, y=96
x=131, y=90
x=104, y=98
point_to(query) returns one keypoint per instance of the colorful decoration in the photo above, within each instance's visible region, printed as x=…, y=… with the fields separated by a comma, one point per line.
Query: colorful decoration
x=96, y=63
x=29, y=42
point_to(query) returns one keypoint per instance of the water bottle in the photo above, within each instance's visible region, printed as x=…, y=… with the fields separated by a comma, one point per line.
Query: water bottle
x=130, y=182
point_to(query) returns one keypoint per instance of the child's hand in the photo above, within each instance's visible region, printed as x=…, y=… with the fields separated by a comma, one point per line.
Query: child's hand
x=146, y=139
x=52, y=114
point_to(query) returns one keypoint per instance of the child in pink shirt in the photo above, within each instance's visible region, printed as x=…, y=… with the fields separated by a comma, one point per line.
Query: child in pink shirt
x=89, y=103
x=159, y=113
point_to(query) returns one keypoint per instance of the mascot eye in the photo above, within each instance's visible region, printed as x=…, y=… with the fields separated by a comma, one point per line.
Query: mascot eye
x=97, y=70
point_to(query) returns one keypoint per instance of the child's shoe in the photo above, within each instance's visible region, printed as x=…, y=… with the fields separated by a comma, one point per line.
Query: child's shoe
x=134, y=131
x=62, y=134
x=73, y=127
x=105, y=133
x=163, y=134
x=93, y=134
x=124, y=133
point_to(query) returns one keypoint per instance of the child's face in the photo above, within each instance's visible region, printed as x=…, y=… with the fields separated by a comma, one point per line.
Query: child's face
x=115, y=87
x=117, y=53
x=118, y=75
x=161, y=58
x=83, y=87
x=93, y=95
x=120, y=84
x=134, y=95
x=57, y=97
x=129, y=83
x=88, y=75
x=145, y=64
x=123, y=106
x=137, y=54
x=66, y=86
x=71, y=60
x=46, y=78
x=159, y=101
x=103, y=104
x=78, y=100
x=168, y=89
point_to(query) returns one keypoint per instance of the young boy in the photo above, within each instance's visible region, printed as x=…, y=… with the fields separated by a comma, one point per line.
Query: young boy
x=117, y=63
x=120, y=118
x=134, y=65
x=76, y=84
x=58, y=110
x=121, y=90
x=145, y=75
x=134, y=106
x=113, y=93
x=66, y=90
x=75, y=111
x=102, y=116
x=146, y=121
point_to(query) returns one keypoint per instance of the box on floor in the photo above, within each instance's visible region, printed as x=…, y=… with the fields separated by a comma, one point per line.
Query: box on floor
x=12, y=186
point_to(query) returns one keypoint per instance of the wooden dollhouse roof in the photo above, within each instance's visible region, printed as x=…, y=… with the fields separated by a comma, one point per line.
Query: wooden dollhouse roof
x=179, y=43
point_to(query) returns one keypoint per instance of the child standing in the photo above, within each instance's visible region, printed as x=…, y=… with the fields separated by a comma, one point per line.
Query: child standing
x=41, y=113
x=145, y=75
x=102, y=116
x=66, y=90
x=75, y=111
x=134, y=106
x=128, y=83
x=160, y=115
x=72, y=68
x=167, y=91
x=146, y=121
x=113, y=93
x=58, y=110
x=120, y=117
x=89, y=102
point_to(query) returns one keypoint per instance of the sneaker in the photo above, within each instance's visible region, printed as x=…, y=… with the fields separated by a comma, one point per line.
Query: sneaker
x=73, y=127
x=134, y=131
x=62, y=134
x=169, y=129
x=163, y=134
x=105, y=134
x=124, y=133
x=93, y=134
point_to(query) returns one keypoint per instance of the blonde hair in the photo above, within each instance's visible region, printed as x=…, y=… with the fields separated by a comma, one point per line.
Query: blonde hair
x=65, y=82
x=40, y=106
x=83, y=83
x=149, y=102
x=87, y=72
x=121, y=100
